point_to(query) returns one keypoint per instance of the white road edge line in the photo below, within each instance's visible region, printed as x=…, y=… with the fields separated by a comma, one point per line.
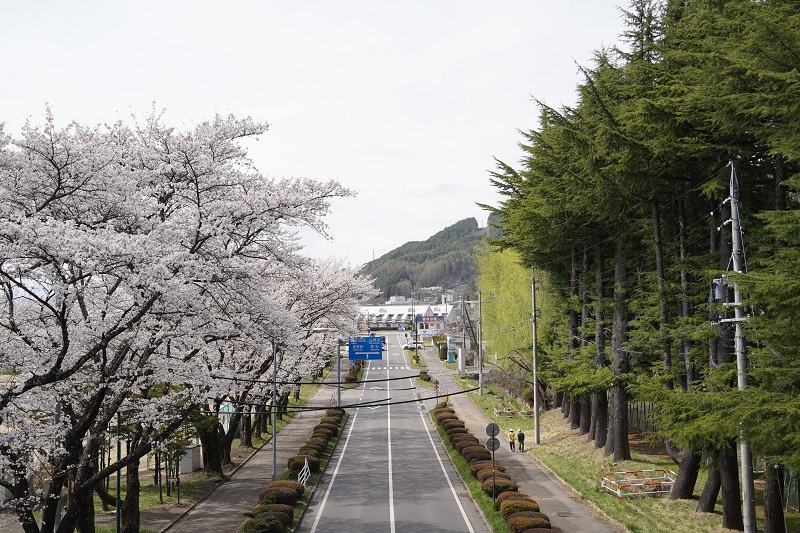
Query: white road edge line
x=389, y=436
x=336, y=470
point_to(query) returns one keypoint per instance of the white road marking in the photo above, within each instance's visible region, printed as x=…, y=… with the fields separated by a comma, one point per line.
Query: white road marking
x=389, y=435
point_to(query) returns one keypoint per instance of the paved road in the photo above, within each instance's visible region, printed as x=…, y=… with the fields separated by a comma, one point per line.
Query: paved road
x=391, y=472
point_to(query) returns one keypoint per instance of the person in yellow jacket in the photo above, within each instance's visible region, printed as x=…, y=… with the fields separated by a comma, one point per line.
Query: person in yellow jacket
x=512, y=438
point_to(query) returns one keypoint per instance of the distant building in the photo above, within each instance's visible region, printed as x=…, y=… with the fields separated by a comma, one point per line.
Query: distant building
x=429, y=319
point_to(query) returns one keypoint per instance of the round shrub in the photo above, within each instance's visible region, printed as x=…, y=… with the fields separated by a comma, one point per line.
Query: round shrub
x=309, y=450
x=456, y=431
x=477, y=466
x=513, y=506
x=464, y=441
x=449, y=424
x=425, y=377
x=279, y=495
x=262, y=508
x=487, y=473
x=335, y=412
x=334, y=420
x=502, y=485
x=333, y=428
x=443, y=409
x=518, y=523
x=325, y=433
x=474, y=448
x=318, y=440
x=351, y=377
x=441, y=417
x=510, y=495
x=290, y=483
x=296, y=463
x=477, y=456
x=262, y=525
x=283, y=518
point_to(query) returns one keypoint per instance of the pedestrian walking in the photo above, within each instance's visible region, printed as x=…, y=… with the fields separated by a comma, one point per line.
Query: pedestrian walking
x=521, y=439
x=512, y=437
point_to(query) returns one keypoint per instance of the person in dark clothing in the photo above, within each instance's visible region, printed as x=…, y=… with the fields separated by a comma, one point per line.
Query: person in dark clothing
x=521, y=439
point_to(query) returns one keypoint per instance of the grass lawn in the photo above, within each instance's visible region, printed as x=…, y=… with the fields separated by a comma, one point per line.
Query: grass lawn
x=574, y=459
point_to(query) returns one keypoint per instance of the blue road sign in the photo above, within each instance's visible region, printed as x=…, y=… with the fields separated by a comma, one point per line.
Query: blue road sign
x=365, y=348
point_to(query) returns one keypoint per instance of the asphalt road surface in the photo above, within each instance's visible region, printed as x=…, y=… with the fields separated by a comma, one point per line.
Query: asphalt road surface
x=390, y=471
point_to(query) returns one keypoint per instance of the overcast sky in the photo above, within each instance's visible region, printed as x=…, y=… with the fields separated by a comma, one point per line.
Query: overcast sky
x=406, y=102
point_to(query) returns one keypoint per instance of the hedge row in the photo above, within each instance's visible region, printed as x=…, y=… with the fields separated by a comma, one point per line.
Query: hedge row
x=520, y=511
x=275, y=511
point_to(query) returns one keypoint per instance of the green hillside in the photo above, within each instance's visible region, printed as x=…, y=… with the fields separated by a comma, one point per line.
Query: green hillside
x=447, y=260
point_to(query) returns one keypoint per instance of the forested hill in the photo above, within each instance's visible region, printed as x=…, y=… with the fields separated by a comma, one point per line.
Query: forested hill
x=447, y=260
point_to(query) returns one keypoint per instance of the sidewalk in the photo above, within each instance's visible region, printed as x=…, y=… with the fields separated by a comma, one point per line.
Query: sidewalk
x=222, y=511
x=562, y=504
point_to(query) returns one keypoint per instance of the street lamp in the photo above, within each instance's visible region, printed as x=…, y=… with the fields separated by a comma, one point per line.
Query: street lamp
x=339, y=344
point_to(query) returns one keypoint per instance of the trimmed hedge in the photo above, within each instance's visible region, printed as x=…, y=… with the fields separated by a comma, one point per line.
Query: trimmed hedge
x=325, y=433
x=478, y=455
x=279, y=495
x=487, y=473
x=456, y=431
x=441, y=417
x=461, y=442
x=273, y=508
x=502, y=485
x=333, y=428
x=477, y=466
x=518, y=523
x=449, y=424
x=334, y=412
x=289, y=483
x=513, y=506
x=296, y=463
x=438, y=409
x=262, y=525
x=511, y=495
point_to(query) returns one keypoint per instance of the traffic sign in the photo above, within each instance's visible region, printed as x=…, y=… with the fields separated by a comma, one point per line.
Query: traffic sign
x=493, y=430
x=365, y=348
x=492, y=444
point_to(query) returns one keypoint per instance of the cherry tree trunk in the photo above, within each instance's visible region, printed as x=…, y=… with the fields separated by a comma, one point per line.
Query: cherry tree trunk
x=130, y=507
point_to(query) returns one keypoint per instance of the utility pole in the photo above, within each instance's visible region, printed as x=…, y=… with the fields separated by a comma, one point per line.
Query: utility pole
x=534, y=363
x=480, y=344
x=745, y=456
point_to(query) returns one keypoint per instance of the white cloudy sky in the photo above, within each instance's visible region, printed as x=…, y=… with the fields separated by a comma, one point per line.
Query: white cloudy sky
x=406, y=102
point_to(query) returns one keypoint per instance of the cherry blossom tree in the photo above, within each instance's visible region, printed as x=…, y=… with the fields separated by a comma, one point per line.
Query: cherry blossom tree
x=139, y=265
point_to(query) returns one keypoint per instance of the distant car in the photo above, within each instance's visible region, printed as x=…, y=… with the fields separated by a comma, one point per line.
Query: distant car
x=413, y=346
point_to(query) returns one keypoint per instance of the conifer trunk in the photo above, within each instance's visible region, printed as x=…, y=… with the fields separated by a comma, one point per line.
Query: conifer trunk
x=732, y=517
x=708, y=498
x=599, y=399
x=666, y=350
x=618, y=430
x=773, y=500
